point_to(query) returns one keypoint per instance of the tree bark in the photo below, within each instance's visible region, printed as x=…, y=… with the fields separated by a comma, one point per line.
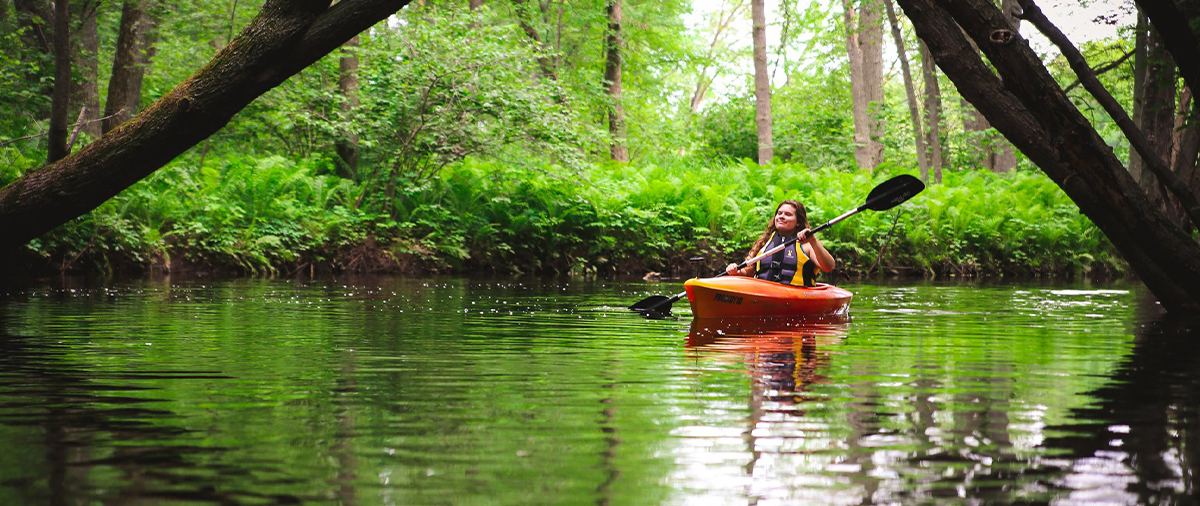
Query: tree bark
x=1141, y=39
x=347, y=147
x=914, y=111
x=1004, y=156
x=1151, y=154
x=762, y=84
x=1158, y=116
x=612, y=75
x=475, y=4
x=124, y=87
x=85, y=48
x=60, y=100
x=933, y=113
x=1178, y=24
x=864, y=43
x=1033, y=112
x=285, y=37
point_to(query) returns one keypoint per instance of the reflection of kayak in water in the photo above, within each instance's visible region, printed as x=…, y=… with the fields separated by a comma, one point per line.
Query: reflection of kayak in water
x=740, y=296
x=764, y=334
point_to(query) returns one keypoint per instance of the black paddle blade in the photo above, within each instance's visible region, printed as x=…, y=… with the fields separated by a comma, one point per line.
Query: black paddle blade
x=893, y=192
x=656, y=306
x=649, y=302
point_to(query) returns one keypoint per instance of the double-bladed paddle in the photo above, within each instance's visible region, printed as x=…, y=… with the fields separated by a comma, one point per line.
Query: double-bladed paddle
x=886, y=195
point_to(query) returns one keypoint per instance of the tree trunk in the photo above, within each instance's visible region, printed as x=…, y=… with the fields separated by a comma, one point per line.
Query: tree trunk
x=864, y=43
x=989, y=150
x=762, y=84
x=933, y=113
x=475, y=4
x=123, y=96
x=61, y=99
x=285, y=37
x=612, y=75
x=1185, y=141
x=1141, y=40
x=1178, y=25
x=1004, y=156
x=1158, y=116
x=1033, y=112
x=914, y=111
x=347, y=147
x=85, y=48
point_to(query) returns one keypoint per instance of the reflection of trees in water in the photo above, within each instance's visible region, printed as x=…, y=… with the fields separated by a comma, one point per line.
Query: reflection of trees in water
x=90, y=421
x=1142, y=442
x=934, y=435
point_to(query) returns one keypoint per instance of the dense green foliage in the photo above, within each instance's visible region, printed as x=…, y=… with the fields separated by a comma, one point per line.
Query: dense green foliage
x=484, y=149
x=271, y=215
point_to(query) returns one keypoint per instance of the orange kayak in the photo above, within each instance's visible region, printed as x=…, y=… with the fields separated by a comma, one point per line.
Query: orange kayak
x=741, y=296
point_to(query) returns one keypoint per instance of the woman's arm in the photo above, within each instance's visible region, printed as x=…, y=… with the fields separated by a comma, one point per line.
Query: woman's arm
x=816, y=251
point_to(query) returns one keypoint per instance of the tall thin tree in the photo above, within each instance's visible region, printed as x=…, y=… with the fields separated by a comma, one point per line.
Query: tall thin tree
x=85, y=49
x=914, y=111
x=864, y=43
x=612, y=76
x=933, y=113
x=762, y=84
x=60, y=100
x=124, y=87
x=347, y=146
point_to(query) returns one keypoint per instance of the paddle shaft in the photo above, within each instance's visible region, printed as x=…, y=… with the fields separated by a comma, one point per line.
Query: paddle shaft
x=789, y=242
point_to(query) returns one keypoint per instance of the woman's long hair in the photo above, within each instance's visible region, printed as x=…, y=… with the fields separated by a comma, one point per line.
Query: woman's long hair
x=801, y=224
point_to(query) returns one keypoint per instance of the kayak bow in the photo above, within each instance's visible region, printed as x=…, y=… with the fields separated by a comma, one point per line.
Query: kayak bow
x=740, y=296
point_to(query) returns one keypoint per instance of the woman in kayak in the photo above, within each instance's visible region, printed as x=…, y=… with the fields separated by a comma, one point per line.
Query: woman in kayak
x=793, y=265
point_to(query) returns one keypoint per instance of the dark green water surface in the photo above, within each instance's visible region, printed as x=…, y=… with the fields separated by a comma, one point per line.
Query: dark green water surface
x=410, y=392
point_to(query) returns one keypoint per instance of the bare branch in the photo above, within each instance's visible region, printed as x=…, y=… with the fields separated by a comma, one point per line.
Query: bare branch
x=1102, y=69
x=34, y=136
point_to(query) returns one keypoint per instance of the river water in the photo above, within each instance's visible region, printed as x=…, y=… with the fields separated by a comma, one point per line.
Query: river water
x=465, y=392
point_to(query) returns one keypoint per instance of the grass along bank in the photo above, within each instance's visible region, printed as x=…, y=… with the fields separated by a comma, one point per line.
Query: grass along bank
x=272, y=216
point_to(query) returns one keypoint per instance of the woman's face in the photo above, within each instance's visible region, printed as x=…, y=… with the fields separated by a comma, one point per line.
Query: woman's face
x=785, y=219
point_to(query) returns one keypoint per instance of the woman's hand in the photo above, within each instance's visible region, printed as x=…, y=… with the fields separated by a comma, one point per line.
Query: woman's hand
x=732, y=270
x=805, y=236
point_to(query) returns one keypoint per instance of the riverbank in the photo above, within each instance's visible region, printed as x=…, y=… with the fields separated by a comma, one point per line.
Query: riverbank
x=277, y=217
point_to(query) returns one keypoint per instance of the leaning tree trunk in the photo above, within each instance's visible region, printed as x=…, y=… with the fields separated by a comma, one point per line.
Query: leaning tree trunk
x=864, y=43
x=60, y=101
x=285, y=37
x=1033, y=112
x=612, y=74
x=914, y=111
x=762, y=84
x=933, y=113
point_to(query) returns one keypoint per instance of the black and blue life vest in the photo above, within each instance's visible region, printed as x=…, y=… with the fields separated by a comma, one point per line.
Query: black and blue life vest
x=784, y=265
